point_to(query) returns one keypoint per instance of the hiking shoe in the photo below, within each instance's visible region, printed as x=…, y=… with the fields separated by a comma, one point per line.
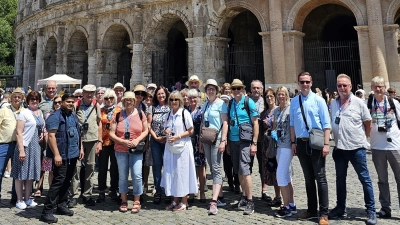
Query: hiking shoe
x=48, y=218
x=249, y=208
x=337, y=213
x=276, y=202
x=323, y=220
x=89, y=201
x=384, y=213
x=283, y=212
x=242, y=203
x=371, y=218
x=307, y=216
x=72, y=203
x=237, y=189
x=213, y=209
x=62, y=210
x=113, y=195
x=221, y=202
x=293, y=209
x=20, y=205
x=31, y=203
x=101, y=198
x=266, y=197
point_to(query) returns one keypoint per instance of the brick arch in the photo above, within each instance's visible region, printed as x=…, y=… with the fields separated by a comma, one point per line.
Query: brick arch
x=392, y=10
x=164, y=20
x=302, y=8
x=219, y=22
x=117, y=22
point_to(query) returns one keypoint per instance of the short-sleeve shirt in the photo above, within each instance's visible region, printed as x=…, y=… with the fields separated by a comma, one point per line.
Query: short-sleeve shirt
x=349, y=134
x=212, y=113
x=45, y=105
x=379, y=139
x=26, y=115
x=159, y=116
x=83, y=111
x=240, y=110
x=282, y=121
x=175, y=122
x=8, y=123
x=130, y=123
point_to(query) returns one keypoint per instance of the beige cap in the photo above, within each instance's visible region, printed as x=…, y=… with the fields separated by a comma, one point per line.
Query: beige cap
x=89, y=87
x=18, y=90
x=211, y=82
x=128, y=94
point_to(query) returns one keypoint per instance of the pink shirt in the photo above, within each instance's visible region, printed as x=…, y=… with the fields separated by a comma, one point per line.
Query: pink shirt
x=135, y=128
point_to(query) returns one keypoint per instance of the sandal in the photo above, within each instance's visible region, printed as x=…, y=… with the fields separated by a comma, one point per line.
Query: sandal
x=135, y=207
x=167, y=199
x=124, y=207
x=171, y=206
x=276, y=202
x=181, y=207
x=157, y=199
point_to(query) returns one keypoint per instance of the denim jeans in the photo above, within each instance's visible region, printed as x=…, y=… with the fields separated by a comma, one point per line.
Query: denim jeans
x=6, y=152
x=359, y=161
x=132, y=162
x=157, y=150
x=313, y=166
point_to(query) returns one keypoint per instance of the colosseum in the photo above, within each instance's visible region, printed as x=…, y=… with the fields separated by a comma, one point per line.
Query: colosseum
x=164, y=41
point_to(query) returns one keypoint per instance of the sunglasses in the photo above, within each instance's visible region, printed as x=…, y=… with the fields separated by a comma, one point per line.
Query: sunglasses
x=173, y=99
x=142, y=93
x=305, y=82
x=34, y=99
x=236, y=88
x=110, y=98
x=57, y=103
x=342, y=85
x=78, y=96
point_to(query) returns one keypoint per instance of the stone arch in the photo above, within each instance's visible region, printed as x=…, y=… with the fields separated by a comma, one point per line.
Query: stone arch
x=392, y=11
x=114, y=22
x=219, y=23
x=302, y=8
x=165, y=18
x=77, y=57
x=50, y=56
x=72, y=32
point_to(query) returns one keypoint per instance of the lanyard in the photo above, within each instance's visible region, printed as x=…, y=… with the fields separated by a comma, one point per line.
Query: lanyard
x=173, y=120
x=109, y=115
x=280, y=116
x=345, y=104
x=258, y=107
x=383, y=109
x=127, y=119
x=208, y=108
x=85, y=109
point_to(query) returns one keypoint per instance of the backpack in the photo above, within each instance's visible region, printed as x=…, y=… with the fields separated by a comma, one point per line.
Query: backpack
x=119, y=114
x=246, y=106
x=391, y=103
x=183, y=117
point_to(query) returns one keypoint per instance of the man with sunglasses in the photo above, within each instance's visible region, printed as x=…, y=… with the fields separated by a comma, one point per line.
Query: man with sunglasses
x=242, y=150
x=50, y=92
x=312, y=161
x=351, y=125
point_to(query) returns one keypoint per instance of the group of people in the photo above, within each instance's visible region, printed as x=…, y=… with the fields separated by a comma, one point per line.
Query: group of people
x=178, y=133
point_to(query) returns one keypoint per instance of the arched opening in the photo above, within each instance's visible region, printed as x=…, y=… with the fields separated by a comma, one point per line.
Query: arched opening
x=397, y=21
x=50, y=58
x=32, y=65
x=118, y=57
x=331, y=46
x=77, y=58
x=244, y=58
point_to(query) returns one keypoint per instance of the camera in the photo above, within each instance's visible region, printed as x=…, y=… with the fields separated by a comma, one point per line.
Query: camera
x=40, y=130
x=337, y=120
x=206, y=123
x=232, y=123
x=279, y=133
x=382, y=129
x=71, y=133
x=388, y=123
x=107, y=126
x=127, y=135
x=85, y=126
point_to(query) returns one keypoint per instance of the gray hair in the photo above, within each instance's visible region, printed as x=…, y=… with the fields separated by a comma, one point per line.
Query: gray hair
x=342, y=75
x=377, y=80
x=262, y=86
x=50, y=82
x=193, y=93
x=100, y=89
x=110, y=93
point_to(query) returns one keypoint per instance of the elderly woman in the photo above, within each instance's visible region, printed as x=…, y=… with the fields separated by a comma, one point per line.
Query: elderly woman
x=215, y=115
x=156, y=115
x=78, y=94
x=26, y=161
x=108, y=111
x=226, y=89
x=186, y=102
x=128, y=129
x=179, y=177
x=199, y=157
x=99, y=95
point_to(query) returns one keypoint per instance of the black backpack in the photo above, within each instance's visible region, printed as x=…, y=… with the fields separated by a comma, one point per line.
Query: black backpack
x=119, y=114
x=391, y=103
x=246, y=106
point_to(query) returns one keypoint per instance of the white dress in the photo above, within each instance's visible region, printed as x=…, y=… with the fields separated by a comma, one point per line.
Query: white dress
x=179, y=175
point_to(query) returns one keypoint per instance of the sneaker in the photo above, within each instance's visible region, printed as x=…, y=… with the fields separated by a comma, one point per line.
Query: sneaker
x=72, y=203
x=266, y=197
x=221, y=202
x=7, y=174
x=89, y=201
x=384, y=213
x=337, y=213
x=277, y=202
x=48, y=218
x=31, y=203
x=20, y=205
x=242, y=203
x=371, y=218
x=249, y=208
x=62, y=210
x=307, y=216
x=213, y=209
x=293, y=209
x=113, y=195
x=101, y=198
x=283, y=212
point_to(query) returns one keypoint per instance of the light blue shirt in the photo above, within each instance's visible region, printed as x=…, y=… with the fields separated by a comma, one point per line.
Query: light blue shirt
x=212, y=114
x=315, y=110
x=241, y=115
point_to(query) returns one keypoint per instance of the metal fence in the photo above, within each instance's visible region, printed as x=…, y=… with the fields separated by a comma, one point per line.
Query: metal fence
x=160, y=67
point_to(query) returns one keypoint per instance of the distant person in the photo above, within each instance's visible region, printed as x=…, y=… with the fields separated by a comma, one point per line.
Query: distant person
x=360, y=88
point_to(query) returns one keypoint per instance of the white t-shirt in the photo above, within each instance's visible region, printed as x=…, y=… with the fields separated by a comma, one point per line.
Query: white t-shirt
x=30, y=125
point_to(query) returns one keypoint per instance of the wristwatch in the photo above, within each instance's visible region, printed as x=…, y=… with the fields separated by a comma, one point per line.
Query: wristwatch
x=254, y=143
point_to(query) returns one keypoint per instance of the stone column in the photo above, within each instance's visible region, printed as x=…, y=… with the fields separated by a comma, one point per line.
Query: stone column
x=267, y=57
x=39, y=56
x=28, y=8
x=96, y=77
x=190, y=56
x=19, y=57
x=136, y=64
x=93, y=54
x=26, y=45
x=392, y=54
x=278, y=58
x=365, y=57
x=376, y=38
x=214, y=58
x=293, y=42
x=60, y=49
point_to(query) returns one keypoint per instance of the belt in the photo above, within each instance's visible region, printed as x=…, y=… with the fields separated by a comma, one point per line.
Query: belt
x=302, y=139
x=11, y=142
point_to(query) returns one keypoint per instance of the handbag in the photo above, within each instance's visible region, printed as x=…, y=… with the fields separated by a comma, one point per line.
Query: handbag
x=176, y=148
x=272, y=148
x=139, y=149
x=208, y=135
x=316, y=136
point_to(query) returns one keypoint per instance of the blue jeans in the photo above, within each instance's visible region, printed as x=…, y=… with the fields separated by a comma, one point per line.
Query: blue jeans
x=359, y=161
x=157, y=151
x=131, y=162
x=6, y=152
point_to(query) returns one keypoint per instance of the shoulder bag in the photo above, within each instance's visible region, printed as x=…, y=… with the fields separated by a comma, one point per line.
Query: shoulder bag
x=208, y=135
x=316, y=136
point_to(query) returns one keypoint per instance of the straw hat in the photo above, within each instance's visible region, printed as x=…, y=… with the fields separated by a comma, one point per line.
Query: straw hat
x=237, y=83
x=194, y=78
x=128, y=94
x=211, y=82
x=119, y=85
x=140, y=87
x=18, y=90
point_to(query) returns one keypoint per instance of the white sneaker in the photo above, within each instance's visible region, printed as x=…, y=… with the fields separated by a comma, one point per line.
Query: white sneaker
x=31, y=203
x=20, y=205
x=6, y=174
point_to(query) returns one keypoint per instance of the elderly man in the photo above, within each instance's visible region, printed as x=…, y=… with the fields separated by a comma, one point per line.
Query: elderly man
x=312, y=161
x=195, y=83
x=351, y=125
x=385, y=141
x=119, y=90
x=50, y=91
x=151, y=88
x=242, y=112
x=99, y=95
x=5, y=101
x=8, y=125
x=88, y=112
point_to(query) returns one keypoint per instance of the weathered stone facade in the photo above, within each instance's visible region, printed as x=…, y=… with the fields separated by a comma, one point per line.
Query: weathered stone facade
x=134, y=41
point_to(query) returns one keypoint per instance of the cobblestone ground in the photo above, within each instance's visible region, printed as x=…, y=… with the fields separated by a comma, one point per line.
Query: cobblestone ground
x=107, y=213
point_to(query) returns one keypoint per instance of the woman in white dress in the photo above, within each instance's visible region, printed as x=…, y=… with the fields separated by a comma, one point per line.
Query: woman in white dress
x=179, y=176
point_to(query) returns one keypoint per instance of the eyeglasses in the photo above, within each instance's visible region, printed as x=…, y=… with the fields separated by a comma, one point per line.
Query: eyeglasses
x=78, y=96
x=269, y=96
x=380, y=87
x=110, y=98
x=142, y=93
x=236, y=88
x=342, y=85
x=34, y=99
x=173, y=99
x=57, y=103
x=305, y=82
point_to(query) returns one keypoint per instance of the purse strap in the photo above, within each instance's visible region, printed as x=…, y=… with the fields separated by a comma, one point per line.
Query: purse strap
x=202, y=119
x=302, y=112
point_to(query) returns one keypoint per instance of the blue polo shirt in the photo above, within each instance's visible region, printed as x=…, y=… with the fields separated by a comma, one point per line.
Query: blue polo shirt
x=241, y=115
x=315, y=110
